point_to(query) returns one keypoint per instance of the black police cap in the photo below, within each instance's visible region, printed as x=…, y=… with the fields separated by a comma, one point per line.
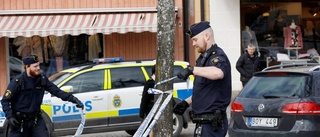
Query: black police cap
x=197, y=28
x=30, y=59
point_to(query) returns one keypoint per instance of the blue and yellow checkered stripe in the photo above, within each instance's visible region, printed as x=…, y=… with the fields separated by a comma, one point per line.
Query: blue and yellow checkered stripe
x=182, y=94
x=91, y=115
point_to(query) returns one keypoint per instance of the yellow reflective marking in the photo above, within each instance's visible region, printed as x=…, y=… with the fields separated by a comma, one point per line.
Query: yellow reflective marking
x=108, y=79
x=105, y=83
x=191, y=77
x=96, y=115
x=175, y=93
x=145, y=73
x=124, y=64
x=72, y=70
x=47, y=109
x=113, y=113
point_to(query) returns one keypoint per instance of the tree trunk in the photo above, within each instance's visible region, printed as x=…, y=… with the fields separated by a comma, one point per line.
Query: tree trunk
x=165, y=59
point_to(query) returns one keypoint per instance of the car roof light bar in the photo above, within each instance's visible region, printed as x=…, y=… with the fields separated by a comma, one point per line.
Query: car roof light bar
x=107, y=60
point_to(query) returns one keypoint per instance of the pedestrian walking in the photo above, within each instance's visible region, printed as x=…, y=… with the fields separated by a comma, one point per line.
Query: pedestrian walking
x=247, y=64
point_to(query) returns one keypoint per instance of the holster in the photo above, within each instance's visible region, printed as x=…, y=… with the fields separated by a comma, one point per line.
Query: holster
x=216, y=119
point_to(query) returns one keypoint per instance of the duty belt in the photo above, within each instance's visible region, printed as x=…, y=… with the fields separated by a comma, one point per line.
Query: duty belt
x=210, y=116
x=216, y=119
x=27, y=116
x=23, y=117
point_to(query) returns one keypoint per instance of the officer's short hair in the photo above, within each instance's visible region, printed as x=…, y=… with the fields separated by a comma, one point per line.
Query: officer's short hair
x=197, y=28
x=30, y=59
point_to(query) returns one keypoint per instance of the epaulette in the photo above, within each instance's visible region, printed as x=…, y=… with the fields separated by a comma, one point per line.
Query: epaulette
x=20, y=81
x=211, y=51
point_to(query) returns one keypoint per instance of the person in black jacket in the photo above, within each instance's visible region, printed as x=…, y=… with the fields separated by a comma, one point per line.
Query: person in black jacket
x=147, y=99
x=23, y=97
x=247, y=64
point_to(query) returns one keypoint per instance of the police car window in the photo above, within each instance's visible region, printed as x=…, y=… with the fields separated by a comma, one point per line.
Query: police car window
x=176, y=70
x=126, y=77
x=59, y=77
x=89, y=81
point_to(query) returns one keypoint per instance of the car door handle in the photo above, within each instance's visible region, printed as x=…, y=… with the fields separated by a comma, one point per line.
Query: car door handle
x=97, y=98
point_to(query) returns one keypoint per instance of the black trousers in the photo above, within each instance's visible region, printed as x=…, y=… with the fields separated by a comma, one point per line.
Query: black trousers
x=30, y=129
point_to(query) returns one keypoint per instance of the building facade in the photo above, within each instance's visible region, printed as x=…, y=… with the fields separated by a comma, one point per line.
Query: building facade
x=127, y=28
x=66, y=33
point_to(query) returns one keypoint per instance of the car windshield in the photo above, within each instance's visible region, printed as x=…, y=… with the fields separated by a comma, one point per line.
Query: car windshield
x=290, y=86
x=58, y=77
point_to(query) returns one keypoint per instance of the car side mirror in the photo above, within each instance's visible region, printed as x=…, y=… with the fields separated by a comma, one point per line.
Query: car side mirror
x=68, y=89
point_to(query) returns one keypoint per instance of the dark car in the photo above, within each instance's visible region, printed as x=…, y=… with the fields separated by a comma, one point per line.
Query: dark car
x=280, y=101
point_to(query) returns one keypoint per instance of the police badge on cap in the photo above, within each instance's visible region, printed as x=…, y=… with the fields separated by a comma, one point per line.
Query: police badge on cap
x=197, y=28
x=30, y=59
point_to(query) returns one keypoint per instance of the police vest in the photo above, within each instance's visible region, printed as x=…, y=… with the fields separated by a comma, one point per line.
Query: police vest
x=22, y=82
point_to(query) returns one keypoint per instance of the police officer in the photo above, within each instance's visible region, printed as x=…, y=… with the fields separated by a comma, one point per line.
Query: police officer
x=147, y=100
x=23, y=97
x=212, y=84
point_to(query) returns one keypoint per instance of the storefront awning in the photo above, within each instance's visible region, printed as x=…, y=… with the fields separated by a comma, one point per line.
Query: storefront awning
x=75, y=24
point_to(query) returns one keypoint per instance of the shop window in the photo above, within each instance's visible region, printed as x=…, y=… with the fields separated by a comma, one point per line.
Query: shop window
x=56, y=52
x=281, y=27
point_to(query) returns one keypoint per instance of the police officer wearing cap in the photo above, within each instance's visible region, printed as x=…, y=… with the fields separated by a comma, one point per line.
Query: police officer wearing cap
x=23, y=97
x=212, y=84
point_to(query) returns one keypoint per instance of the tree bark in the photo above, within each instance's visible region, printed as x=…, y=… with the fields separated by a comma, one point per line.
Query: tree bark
x=165, y=60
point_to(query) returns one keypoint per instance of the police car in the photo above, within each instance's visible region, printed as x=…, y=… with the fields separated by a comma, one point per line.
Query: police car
x=111, y=93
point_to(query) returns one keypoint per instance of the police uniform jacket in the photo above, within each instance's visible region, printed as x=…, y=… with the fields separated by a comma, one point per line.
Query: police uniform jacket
x=210, y=95
x=28, y=99
x=147, y=99
x=246, y=66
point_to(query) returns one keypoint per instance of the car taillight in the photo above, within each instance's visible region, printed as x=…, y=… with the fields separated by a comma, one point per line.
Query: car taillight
x=302, y=108
x=236, y=107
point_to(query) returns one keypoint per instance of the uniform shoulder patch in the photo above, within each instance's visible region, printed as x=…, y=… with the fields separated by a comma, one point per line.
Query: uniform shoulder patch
x=7, y=94
x=215, y=60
